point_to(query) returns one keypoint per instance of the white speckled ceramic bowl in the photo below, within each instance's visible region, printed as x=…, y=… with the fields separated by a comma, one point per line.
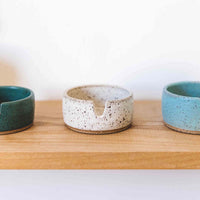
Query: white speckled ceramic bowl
x=98, y=109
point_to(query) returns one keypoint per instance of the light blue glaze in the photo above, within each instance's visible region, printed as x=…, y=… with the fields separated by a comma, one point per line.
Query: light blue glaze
x=181, y=105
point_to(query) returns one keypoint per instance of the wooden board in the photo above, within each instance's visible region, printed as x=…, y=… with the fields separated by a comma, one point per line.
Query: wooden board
x=49, y=144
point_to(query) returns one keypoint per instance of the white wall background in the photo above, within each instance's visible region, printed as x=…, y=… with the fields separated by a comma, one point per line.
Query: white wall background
x=50, y=45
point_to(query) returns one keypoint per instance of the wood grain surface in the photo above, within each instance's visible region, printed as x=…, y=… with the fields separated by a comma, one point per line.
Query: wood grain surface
x=148, y=144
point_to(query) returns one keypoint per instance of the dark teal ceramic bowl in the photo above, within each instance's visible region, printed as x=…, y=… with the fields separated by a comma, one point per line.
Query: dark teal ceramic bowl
x=17, y=105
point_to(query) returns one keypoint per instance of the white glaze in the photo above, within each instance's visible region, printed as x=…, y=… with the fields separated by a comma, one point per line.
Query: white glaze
x=98, y=108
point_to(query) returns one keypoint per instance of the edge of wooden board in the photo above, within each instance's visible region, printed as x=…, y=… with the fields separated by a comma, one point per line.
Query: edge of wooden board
x=126, y=160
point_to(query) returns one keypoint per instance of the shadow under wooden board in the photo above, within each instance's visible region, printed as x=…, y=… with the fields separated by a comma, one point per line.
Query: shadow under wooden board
x=148, y=144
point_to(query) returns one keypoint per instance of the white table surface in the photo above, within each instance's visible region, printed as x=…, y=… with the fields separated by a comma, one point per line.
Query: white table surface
x=100, y=184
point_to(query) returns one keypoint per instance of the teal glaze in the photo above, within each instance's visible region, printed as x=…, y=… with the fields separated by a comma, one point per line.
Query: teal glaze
x=17, y=106
x=181, y=106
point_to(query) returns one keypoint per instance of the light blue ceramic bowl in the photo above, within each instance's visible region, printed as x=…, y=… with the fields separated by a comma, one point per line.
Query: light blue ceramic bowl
x=181, y=107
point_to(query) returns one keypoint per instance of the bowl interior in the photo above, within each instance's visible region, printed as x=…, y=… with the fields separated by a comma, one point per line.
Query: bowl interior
x=188, y=89
x=8, y=93
x=99, y=95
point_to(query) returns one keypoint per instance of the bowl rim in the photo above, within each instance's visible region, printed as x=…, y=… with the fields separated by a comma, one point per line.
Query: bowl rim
x=130, y=94
x=165, y=89
x=18, y=100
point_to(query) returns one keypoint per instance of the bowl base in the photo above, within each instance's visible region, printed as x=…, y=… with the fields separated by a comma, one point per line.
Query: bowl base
x=16, y=130
x=104, y=132
x=182, y=130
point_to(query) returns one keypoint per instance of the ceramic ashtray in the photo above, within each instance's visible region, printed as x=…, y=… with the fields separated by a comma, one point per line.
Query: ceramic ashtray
x=98, y=109
x=181, y=107
x=16, y=109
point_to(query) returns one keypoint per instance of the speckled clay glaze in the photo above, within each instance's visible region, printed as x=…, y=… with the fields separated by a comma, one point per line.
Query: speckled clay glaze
x=181, y=107
x=98, y=109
